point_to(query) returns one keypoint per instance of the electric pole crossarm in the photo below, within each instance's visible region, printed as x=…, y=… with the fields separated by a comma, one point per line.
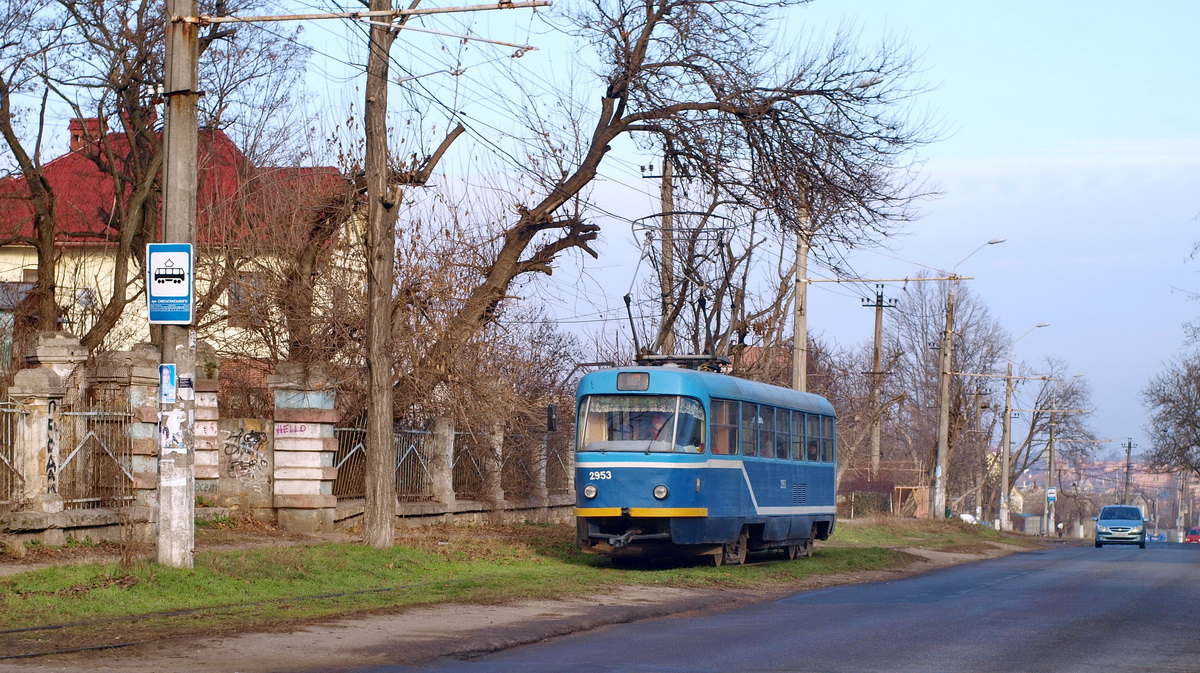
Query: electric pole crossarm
x=387, y=13
x=1003, y=376
x=884, y=280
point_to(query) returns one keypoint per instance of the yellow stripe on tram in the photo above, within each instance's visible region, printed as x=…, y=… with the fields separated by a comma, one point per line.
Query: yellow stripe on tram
x=660, y=512
x=668, y=511
x=597, y=511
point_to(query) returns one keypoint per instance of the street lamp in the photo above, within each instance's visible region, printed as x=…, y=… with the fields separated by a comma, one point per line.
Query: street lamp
x=1006, y=435
x=944, y=373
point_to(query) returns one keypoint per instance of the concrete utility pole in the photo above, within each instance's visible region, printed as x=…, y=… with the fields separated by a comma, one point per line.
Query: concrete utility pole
x=1181, y=513
x=1006, y=450
x=1049, y=508
x=1128, y=470
x=941, y=465
x=877, y=376
x=667, y=273
x=175, y=535
x=943, y=428
x=1006, y=433
x=800, y=311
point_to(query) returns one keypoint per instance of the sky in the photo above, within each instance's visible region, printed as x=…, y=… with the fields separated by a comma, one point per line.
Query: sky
x=1069, y=129
x=1072, y=134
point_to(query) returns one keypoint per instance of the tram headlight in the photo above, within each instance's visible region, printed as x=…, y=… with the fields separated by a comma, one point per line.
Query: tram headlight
x=660, y=492
x=589, y=491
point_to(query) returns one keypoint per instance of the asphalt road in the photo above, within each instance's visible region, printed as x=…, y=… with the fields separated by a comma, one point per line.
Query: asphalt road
x=1059, y=610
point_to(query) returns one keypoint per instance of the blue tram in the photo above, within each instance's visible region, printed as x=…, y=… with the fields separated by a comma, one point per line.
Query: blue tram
x=676, y=462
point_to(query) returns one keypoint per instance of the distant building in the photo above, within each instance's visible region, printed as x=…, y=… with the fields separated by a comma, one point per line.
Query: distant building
x=248, y=219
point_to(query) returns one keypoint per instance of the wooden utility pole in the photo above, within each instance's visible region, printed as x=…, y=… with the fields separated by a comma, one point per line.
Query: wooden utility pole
x=175, y=535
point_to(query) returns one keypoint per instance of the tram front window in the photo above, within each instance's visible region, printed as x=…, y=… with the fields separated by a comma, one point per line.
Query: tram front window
x=663, y=424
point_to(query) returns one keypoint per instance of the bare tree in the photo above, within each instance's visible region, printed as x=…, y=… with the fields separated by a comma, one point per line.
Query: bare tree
x=914, y=333
x=1056, y=401
x=1172, y=399
x=31, y=35
x=697, y=77
x=103, y=66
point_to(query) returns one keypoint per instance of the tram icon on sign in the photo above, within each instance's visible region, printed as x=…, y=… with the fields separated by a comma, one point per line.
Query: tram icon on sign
x=169, y=273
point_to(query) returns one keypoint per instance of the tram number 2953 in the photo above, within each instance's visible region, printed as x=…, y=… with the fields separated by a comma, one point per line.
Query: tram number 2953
x=597, y=475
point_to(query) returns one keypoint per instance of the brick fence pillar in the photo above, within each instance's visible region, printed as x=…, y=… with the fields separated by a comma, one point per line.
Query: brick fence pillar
x=304, y=447
x=208, y=442
x=39, y=391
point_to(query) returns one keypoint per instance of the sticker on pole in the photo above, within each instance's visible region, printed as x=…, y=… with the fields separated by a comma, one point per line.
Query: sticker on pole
x=169, y=283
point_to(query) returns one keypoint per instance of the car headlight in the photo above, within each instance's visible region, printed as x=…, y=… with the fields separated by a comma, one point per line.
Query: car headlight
x=1136, y=529
x=589, y=491
x=660, y=492
x=1099, y=528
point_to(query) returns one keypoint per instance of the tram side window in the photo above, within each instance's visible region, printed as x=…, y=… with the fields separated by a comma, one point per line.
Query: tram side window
x=766, y=431
x=724, y=427
x=826, y=439
x=814, y=438
x=749, y=429
x=797, y=435
x=783, y=433
x=689, y=432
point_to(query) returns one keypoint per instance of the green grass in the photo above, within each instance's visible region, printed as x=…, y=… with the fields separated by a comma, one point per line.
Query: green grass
x=275, y=586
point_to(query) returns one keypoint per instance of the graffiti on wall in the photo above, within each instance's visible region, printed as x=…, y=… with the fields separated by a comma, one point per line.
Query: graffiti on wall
x=244, y=448
x=52, y=448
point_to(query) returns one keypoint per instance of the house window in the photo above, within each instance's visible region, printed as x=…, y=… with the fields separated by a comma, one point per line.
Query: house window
x=247, y=300
x=85, y=297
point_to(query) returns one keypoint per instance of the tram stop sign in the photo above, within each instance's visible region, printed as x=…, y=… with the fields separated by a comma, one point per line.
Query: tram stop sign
x=169, y=283
x=1052, y=494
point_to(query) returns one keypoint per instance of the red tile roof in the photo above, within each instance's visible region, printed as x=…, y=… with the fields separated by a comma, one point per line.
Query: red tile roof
x=235, y=200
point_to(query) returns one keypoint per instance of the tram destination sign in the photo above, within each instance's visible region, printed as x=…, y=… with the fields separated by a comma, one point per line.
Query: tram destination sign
x=169, y=282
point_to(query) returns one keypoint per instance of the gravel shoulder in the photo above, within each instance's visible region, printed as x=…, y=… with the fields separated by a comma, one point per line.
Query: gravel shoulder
x=422, y=634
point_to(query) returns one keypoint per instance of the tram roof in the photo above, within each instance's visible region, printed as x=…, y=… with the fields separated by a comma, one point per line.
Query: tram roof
x=679, y=381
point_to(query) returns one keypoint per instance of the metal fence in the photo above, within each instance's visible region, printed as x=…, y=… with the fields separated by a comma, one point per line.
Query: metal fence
x=12, y=480
x=413, y=482
x=521, y=455
x=350, y=461
x=94, y=454
x=560, y=462
x=469, y=457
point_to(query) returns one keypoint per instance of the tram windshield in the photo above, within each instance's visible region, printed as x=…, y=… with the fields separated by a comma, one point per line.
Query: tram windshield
x=648, y=423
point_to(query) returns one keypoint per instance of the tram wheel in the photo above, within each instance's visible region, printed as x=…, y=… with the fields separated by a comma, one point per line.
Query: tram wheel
x=718, y=559
x=735, y=553
x=810, y=544
x=792, y=551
